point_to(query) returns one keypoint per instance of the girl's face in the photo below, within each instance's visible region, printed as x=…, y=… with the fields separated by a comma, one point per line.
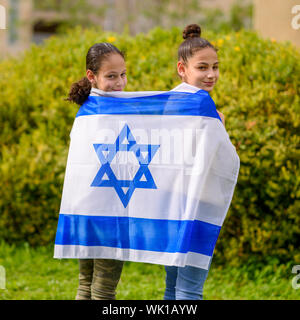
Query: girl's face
x=201, y=69
x=111, y=75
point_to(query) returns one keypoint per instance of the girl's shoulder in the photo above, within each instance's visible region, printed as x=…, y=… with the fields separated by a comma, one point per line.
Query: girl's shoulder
x=97, y=92
x=185, y=87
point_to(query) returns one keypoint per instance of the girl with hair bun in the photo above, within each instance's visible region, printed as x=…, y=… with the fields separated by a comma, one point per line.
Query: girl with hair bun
x=198, y=69
x=197, y=64
x=105, y=71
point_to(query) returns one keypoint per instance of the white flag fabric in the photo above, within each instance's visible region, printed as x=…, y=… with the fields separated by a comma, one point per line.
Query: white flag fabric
x=149, y=178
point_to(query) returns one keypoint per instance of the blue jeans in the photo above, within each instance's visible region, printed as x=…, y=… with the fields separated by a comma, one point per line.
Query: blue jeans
x=184, y=283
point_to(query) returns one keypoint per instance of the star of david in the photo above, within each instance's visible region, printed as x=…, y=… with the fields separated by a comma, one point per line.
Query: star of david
x=105, y=177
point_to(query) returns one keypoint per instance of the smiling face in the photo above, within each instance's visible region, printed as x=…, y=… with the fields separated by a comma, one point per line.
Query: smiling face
x=201, y=69
x=112, y=74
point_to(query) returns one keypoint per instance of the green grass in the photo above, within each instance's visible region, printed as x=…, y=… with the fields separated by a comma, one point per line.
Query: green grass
x=33, y=274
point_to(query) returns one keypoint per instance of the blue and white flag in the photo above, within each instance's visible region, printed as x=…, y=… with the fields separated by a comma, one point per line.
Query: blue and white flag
x=149, y=178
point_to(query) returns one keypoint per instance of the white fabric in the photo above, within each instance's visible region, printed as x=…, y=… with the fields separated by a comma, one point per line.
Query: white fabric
x=202, y=183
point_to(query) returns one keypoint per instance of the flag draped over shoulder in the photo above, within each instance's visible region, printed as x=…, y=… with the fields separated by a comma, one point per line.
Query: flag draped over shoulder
x=148, y=179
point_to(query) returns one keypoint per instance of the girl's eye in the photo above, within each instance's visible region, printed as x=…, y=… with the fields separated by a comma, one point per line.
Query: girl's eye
x=123, y=75
x=202, y=68
x=216, y=67
x=111, y=76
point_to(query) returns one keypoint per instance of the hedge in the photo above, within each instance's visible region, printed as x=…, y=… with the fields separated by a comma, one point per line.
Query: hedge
x=258, y=91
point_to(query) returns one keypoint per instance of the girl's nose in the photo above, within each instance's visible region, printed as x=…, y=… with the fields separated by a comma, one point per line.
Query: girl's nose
x=210, y=74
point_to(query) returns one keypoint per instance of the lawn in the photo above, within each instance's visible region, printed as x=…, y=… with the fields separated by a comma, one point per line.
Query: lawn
x=33, y=274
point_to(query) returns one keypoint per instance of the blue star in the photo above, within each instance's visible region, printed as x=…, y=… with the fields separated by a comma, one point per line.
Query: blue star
x=143, y=172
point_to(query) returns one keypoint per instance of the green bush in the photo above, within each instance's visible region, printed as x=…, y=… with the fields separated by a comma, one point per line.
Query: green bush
x=258, y=91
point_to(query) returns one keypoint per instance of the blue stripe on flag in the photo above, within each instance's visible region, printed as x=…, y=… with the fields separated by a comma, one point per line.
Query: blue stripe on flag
x=170, y=103
x=137, y=233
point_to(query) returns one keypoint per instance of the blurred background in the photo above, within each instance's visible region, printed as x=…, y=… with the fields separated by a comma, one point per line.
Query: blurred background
x=30, y=21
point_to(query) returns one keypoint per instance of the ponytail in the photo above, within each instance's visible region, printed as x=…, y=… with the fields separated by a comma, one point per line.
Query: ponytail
x=79, y=91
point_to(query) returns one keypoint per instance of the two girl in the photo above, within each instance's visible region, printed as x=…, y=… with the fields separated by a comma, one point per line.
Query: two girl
x=198, y=69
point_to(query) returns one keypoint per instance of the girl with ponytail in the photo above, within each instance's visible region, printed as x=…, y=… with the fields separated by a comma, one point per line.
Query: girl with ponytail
x=105, y=71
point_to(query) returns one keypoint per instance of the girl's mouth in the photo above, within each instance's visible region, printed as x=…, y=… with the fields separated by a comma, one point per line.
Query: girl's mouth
x=209, y=83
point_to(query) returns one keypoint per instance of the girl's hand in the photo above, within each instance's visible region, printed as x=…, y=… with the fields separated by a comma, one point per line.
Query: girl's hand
x=222, y=117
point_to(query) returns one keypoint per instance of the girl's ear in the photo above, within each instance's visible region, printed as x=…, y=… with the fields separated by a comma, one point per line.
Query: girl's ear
x=181, y=68
x=90, y=76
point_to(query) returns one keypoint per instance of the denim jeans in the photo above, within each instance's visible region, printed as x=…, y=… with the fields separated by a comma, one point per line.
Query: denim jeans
x=184, y=283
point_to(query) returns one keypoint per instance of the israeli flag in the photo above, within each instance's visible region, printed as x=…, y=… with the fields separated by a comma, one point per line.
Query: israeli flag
x=149, y=178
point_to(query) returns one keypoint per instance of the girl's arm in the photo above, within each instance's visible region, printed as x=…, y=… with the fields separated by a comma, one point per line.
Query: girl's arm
x=222, y=117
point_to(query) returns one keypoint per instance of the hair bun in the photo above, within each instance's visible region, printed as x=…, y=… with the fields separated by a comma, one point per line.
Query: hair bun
x=191, y=31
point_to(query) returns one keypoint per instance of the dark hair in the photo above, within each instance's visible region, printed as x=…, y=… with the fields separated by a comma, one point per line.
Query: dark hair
x=80, y=90
x=192, y=42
